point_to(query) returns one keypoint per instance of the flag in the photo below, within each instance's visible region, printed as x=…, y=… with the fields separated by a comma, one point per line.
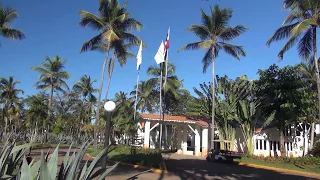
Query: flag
x=159, y=57
x=166, y=45
x=139, y=57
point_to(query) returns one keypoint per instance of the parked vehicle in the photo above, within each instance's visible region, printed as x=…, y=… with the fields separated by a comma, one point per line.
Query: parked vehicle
x=218, y=154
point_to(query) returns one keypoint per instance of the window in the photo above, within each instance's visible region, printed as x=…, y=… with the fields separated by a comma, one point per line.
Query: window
x=271, y=142
x=260, y=145
x=279, y=145
x=275, y=145
x=264, y=144
x=257, y=144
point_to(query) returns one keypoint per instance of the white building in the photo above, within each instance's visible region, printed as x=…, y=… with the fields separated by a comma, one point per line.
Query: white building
x=193, y=136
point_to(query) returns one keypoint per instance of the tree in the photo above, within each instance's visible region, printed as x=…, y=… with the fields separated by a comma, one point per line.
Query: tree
x=117, y=54
x=37, y=109
x=9, y=97
x=301, y=26
x=173, y=83
x=214, y=32
x=281, y=92
x=7, y=16
x=113, y=24
x=52, y=78
x=146, y=97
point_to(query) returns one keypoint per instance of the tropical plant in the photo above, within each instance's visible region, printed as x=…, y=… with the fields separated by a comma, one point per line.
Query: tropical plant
x=11, y=156
x=301, y=26
x=9, y=97
x=281, y=92
x=52, y=78
x=172, y=86
x=7, y=16
x=117, y=54
x=37, y=108
x=14, y=164
x=145, y=97
x=114, y=25
x=214, y=32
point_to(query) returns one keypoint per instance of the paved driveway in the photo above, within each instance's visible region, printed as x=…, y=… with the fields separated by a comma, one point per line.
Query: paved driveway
x=187, y=167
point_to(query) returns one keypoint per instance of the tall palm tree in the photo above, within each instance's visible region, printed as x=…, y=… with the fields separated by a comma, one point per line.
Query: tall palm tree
x=7, y=16
x=117, y=54
x=300, y=26
x=52, y=78
x=113, y=24
x=214, y=32
x=9, y=96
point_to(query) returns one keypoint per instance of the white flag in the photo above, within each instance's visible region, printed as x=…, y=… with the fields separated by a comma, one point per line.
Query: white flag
x=159, y=57
x=139, y=56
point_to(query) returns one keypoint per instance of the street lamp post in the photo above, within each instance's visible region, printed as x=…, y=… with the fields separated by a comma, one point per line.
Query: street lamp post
x=109, y=106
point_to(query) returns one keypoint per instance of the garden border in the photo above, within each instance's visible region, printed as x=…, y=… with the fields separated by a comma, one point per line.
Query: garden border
x=309, y=174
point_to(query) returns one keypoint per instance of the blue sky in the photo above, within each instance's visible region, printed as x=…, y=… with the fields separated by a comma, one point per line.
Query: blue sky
x=51, y=28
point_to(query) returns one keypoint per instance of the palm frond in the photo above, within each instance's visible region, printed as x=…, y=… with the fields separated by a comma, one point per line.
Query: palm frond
x=305, y=47
x=11, y=33
x=281, y=33
x=231, y=33
x=91, y=20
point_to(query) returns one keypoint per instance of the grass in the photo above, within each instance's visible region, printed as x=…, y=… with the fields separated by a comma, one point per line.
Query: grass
x=305, y=168
x=150, y=158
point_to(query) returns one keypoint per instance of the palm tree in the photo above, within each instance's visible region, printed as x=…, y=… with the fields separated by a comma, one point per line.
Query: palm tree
x=85, y=87
x=52, y=78
x=37, y=109
x=145, y=97
x=214, y=32
x=9, y=96
x=117, y=54
x=113, y=24
x=301, y=26
x=7, y=16
x=173, y=83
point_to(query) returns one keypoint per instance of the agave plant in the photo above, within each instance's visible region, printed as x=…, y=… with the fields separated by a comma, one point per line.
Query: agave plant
x=70, y=168
x=10, y=157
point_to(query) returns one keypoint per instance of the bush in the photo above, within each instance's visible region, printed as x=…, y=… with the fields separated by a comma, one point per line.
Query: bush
x=316, y=149
x=15, y=165
x=297, y=161
x=150, y=157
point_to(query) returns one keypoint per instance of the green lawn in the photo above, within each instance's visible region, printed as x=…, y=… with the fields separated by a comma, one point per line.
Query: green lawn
x=309, y=168
x=150, y=158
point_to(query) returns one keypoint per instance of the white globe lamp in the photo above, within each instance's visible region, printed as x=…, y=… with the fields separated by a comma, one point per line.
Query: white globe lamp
x=109, y=106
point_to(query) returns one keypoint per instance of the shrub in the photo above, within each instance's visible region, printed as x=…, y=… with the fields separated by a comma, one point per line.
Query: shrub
x=14, y=164
x=316, y=149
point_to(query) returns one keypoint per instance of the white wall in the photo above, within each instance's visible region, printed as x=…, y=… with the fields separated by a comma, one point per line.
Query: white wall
x=266, y=140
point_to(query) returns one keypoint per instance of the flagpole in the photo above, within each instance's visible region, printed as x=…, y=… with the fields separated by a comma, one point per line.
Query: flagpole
x=165, y=83
x=160, y=135
x=136, y=101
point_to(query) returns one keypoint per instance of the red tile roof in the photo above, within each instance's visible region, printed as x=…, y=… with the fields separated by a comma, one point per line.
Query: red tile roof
x=174, y=118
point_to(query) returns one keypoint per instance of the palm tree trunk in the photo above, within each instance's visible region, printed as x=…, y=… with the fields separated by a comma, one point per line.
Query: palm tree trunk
x=99, y=99
x=318, y=82
x=108, y=86
x=213, y=102
x=110, y=71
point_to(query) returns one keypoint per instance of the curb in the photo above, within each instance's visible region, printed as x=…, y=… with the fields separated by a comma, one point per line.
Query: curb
x=135, y=166
x=281, y=170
